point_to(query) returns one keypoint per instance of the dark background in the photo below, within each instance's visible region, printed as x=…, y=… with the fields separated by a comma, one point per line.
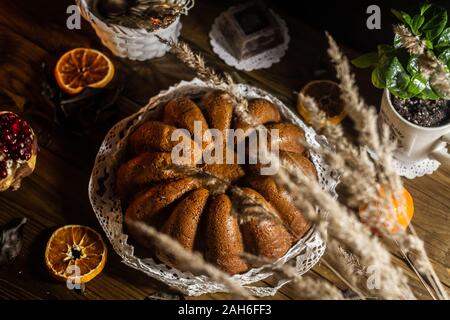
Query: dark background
x=346, y=19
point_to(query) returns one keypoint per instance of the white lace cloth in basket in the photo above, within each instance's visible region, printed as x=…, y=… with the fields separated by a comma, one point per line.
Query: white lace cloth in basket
x=307, y=251
x=260, y=61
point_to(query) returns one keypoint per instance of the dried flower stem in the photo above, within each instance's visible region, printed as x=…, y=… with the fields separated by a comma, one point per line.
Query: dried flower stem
x=249, y=208
x=194, y=61
x=308, y=287
x=351, y=272
x=382, y=147
x=412, y=43
x=365, y=120
x=356, y=170
x=192, y=262
x=430, y=66
x=345, y=280
x=308, y=194
x=345, y=228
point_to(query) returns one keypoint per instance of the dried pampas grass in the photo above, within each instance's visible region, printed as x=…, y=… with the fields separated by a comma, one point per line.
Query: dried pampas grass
x=354, y=249
x=412, y=43
x=361, y=174
x=430, y=66
x=306, y=287
x=189, y=261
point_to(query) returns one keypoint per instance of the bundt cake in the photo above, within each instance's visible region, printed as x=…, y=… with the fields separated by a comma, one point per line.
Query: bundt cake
x=186, y=207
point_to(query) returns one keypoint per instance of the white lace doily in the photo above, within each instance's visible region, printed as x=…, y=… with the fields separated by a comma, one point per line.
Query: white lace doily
x=260, y=61
x=415, y=169
x=307, y=251
x=412, y=169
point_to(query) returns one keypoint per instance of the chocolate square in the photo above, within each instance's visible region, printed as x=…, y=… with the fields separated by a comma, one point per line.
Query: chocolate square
x=250, y=29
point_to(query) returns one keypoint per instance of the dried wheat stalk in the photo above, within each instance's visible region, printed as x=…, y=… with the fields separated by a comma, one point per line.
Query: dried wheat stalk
x=194, y=61
x=343, y=226
x=242, y=110
x=360, y=184
x=245, y=207
x=365, y=120
x=414, y=44
x=387, y=176
x=361, y=189
x=189, y=261
x=430, y=66
x=307, y=287
x=353, y=164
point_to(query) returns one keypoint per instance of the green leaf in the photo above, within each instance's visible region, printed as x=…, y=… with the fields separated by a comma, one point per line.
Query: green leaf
x=416, y=85
x=416, y=23
x=366, y=60
x=397, y=79
x=385, y=49
x=445, y=57
x=397, y=42
x=379, y=77
x=402, y=16
x=429, y=94
x=434, y=27
x=429, y=44
x=444, y=39
x=424, y=8
x=413, y=65
x=385, y=55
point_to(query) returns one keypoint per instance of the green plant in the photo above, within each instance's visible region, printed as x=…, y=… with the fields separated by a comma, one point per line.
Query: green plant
x=397, y=69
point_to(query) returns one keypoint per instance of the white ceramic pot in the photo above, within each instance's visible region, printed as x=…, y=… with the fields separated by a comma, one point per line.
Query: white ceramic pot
x=415, y=142
x=134, y=44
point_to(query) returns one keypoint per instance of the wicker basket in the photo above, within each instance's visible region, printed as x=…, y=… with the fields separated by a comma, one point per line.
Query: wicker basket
x=131, y=43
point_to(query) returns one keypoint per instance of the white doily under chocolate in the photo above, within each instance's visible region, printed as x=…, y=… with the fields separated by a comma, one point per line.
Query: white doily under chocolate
x=307, y=251
x=415, y=169
x=261, y=61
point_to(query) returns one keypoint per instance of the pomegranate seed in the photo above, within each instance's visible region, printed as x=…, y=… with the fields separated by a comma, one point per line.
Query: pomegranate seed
x=15, y=127
x=15, y=139
x=3, y=171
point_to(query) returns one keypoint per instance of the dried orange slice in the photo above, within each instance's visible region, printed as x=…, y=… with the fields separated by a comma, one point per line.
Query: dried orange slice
x=327, y=95
x=404, y=210
x=401, y=214
x=81, y=68
x=75, y=252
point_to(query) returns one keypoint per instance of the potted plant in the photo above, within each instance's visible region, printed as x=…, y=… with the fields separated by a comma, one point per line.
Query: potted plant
x=414, y=73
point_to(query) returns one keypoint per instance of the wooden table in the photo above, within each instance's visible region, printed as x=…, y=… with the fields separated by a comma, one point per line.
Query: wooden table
x=56, y=194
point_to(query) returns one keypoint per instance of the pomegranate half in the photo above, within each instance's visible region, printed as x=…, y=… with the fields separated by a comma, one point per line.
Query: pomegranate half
x=18, y=150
